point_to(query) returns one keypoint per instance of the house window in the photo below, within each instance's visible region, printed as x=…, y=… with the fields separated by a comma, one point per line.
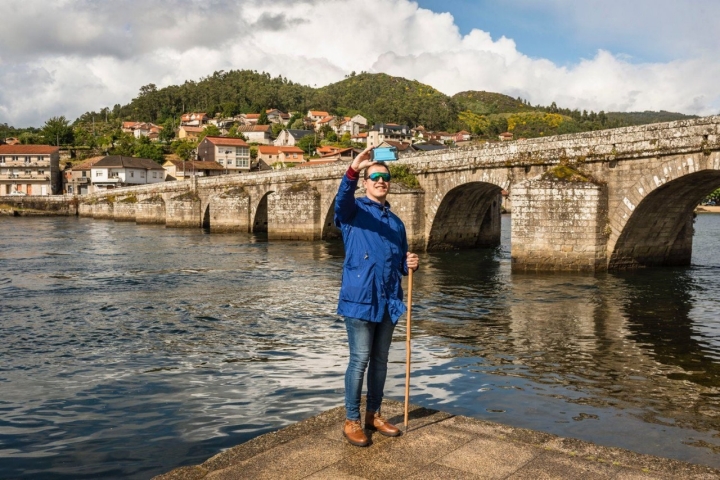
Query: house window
x=2, y=160
x=242, y=162
x=41, y=172
x=132, y=174
x=154, y=174
x=221, y=161
x=28, y=172
x=84, y=174
x=98, y=173
x=27, y=160
x=142, y=174
x=114, y=175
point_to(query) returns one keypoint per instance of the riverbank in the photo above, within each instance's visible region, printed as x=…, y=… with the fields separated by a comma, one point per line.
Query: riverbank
x=437, y=445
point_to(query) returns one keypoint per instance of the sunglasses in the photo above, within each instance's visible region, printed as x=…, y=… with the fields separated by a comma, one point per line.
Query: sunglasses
x=375, y=176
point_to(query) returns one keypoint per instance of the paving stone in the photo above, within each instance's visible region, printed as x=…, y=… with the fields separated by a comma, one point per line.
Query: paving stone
x=406, y=454
x=293, y=460
x=490, y=458
x=440, y=472
x=554, y=465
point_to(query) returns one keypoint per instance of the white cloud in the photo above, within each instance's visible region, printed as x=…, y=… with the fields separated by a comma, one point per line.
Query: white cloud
x=72, y=56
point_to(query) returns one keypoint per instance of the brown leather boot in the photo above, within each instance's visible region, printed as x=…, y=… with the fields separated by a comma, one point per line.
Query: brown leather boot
x=375, y=421
x=354, y=433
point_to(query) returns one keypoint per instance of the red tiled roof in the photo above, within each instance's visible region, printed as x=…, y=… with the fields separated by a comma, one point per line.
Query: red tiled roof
x=254, y=128
x=271, y=150
x=192, y=129
x=327, y=149
x=28, y=149
x=187, y=116
x=401, y=146
x=360, y=135
x=337, y=151
x=326, y=119
x=318, y=113
x=229, y=141
x=252, y=115
x=191, y=165
x=87, y=163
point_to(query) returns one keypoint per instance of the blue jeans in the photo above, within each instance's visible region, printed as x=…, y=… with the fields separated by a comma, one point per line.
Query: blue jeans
x=369, y=343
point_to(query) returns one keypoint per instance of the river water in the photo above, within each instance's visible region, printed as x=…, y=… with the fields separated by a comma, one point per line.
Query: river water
x=129, y=350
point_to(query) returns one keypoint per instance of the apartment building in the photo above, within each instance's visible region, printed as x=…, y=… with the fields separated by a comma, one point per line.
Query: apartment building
x=30, y=170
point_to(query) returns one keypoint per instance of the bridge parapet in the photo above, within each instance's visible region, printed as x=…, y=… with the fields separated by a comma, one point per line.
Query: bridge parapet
x=645, y=182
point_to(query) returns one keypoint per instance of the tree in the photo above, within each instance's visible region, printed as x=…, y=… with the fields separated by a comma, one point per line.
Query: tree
x=149, y=150
x=296, y=116
x=298, y=124
x=308, y=143
x=29, y=138
x=263, y=119
x=184, y=149
x=209, y=131
x=168, y=130
x=57, y=131
x=84, y=136
x=235, y=133
x=276, y=129
x=331, y=136
x=346, y=140
x=125, y=145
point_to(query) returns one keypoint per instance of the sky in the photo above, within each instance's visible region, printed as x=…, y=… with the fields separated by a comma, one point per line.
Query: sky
x=67, y=57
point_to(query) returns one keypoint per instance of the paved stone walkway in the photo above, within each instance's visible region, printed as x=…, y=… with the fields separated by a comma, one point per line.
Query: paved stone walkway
x=437, y=446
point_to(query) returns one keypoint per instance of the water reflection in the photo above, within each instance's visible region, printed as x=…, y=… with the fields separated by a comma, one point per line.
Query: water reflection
x=126, y=362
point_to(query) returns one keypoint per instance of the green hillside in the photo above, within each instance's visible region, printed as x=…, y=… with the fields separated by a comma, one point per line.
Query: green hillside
x=383, y=98
x=378, y=97
x=487, y=103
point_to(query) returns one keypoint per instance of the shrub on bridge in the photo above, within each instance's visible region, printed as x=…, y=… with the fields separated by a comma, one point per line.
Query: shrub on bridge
x=402, y=174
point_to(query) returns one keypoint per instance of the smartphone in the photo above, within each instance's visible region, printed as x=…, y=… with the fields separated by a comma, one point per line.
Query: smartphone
x=384, y=154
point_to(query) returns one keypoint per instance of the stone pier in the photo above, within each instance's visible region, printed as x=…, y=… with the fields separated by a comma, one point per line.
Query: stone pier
x=437, y=445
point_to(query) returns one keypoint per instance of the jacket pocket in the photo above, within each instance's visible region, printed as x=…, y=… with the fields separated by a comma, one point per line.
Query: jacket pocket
x=357, y=283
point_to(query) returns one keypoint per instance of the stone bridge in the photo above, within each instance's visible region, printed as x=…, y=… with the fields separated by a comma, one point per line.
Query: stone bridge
x=628, y=201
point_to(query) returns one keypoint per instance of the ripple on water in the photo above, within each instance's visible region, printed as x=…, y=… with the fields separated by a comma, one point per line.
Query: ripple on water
x=122, y=365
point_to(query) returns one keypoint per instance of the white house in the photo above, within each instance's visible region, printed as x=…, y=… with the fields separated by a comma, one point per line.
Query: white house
x=289, y=138
x=117, y=171
x=316, y=115
x=388, y=131
x=256, y=133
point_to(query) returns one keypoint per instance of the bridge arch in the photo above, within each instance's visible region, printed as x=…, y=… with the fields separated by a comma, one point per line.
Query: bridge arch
x=467, y=217
x=260, y=214
x=653, y=224
x=329, y=230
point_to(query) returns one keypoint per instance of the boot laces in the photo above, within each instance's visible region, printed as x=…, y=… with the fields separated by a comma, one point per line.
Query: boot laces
x=355, y=426
x=379, y=418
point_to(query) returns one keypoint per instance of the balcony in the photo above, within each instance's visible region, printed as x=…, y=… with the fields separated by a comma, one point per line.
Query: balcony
x=25, y=176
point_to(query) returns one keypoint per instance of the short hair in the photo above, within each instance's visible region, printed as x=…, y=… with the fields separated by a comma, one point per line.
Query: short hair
x=376, y=164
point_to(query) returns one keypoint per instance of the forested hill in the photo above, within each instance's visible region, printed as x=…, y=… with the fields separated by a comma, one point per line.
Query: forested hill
x=378, y=97
x=382, y=98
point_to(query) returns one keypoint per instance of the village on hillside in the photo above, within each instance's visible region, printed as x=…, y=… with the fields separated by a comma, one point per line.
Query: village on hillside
x=219, y=146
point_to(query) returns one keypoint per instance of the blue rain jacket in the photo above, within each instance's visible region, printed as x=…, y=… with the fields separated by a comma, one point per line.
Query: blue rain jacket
x=375, y=256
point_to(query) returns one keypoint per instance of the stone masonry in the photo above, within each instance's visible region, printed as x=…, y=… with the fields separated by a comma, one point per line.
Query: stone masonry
x=647, y=180
x=559, y=226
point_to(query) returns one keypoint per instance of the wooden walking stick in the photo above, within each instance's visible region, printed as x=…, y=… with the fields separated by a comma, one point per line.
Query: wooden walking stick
x=407, y=348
